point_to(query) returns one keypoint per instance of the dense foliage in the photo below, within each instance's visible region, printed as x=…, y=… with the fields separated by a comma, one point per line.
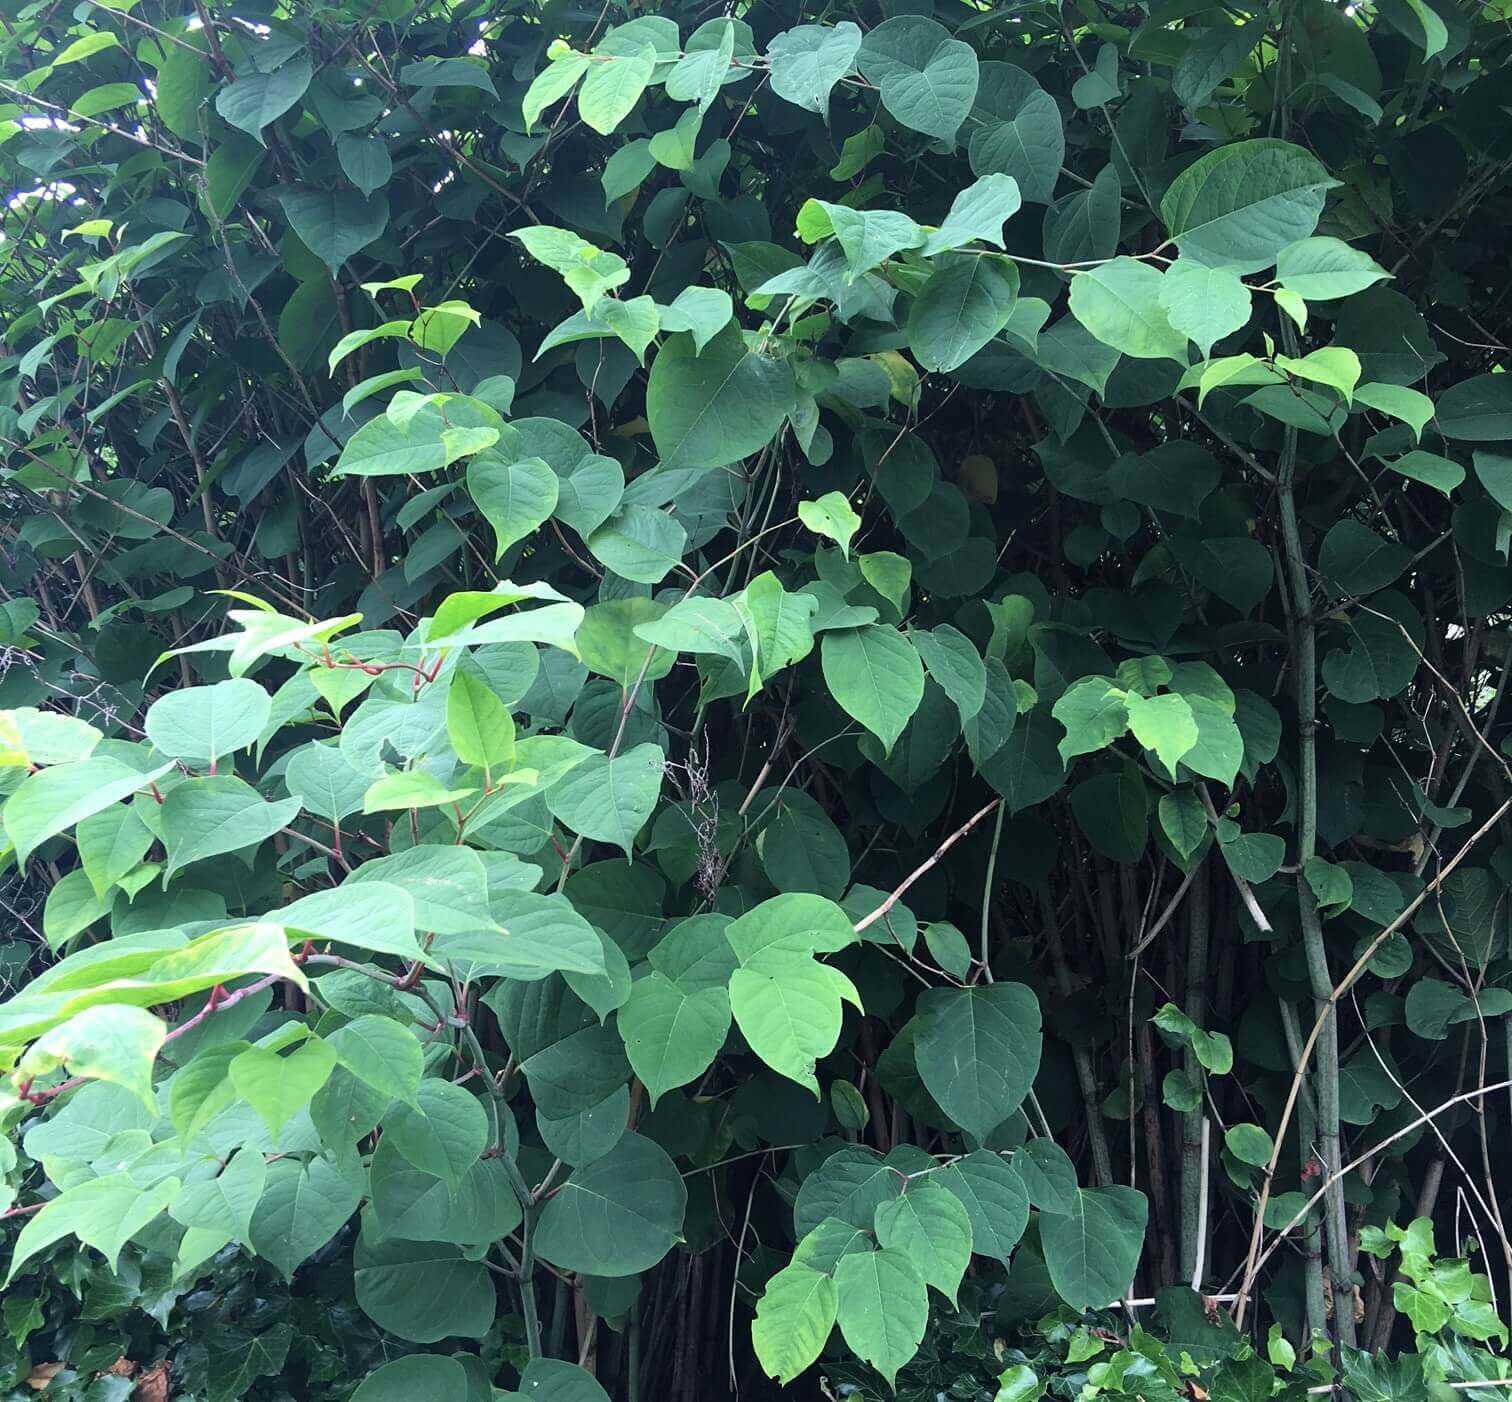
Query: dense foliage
x=693, y=697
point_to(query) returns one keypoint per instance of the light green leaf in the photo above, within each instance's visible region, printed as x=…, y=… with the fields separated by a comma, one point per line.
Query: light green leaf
x=977, y=213
x=612, y=87
x=883, y=1307
x=672, y=1035
x=202, y=724
x=1122, y=304
x=794, y=1318
x=1204, y=304
x=929, y=1225
x=807, y=61
x=789, y=1010
x=53, y=800
x=515, y=495
x=278, y=1087
x=1321, y=269
x=111, y=1042
x=1163, y=724
x=832, y=517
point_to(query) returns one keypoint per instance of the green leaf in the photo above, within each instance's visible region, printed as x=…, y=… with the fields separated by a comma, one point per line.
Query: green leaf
x=955, y=666
x=416, y=1375
x=303, y=1206
x=698, y=625
x=996, y=1202
x=1249, y=1144
x=640, y=543
x=780, y=626
x=1494, y=470
x=552, y=1380
x=610, y=800
x=1093, y=1249
x=278, y=1087
x=202, y=724
x=832, y=517
x=334, y=224
x=882, y=1308
x=422, y=1291
x=1122, y=303
x=807, y=61
x=381, y=1053
x=789, y=1010
x=1358, y=561
x=794, y=1318
x=713, y=407
x=1477, y=410
x=1212, y=1049
x=442, y=1132
x=978, y=1050
x=613, y=86
x=256, y=99
x=113, y=1042
x=1241, y=204
x=618, y=1216
x=53, y=800
x=930, y=1226
x=927, y=80
x=208, y=817
x=965, y=303
x=672, y=1035
x=875, y=676
x=1215, y=56
x=1411, y=406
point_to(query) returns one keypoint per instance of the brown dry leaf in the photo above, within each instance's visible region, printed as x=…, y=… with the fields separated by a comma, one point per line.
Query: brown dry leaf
x=154, y=1384
x=42, y=1375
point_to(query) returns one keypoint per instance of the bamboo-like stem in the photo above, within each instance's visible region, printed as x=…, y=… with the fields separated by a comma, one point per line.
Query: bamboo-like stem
x=1194, y=1130
x=1326, y=1073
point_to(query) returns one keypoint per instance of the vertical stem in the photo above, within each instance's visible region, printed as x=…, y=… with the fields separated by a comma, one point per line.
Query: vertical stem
x=1326, y=1073
x=997, y=834
x=1086, y=1075
x=1307, y=1136
x=1194, y=1129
